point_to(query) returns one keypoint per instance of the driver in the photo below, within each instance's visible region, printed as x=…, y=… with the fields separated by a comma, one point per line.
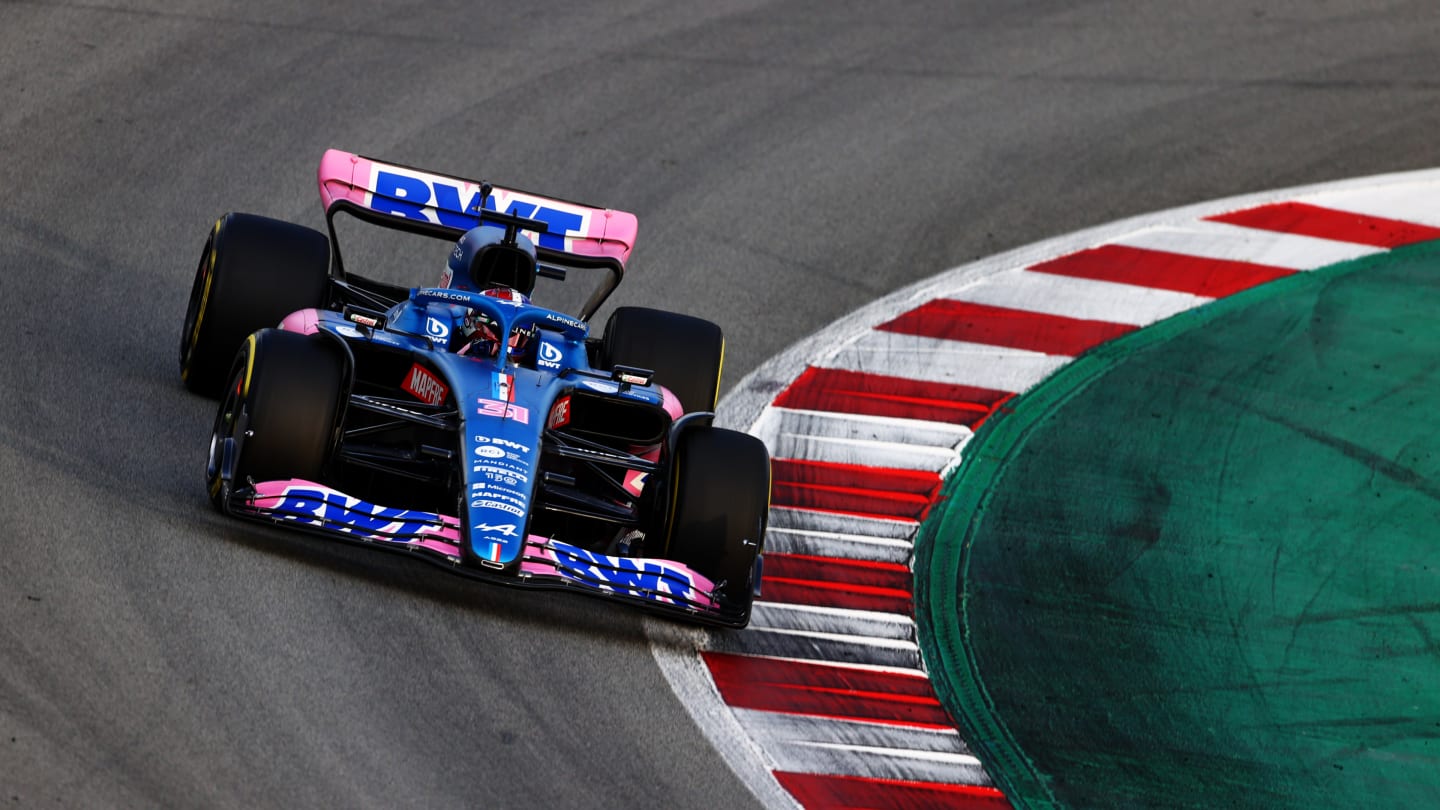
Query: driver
x=498, y=264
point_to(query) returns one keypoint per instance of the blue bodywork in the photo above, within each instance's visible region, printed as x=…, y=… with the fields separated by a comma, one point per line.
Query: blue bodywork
x=407, y=419
x=504, y=403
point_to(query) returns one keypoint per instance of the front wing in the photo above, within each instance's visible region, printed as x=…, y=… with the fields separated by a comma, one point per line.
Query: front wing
x=660, y=585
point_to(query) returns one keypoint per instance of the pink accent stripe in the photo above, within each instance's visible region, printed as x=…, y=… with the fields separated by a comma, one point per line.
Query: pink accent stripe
x=857, y=392
x=1158, y=269
x=826, y=690
x=815, y=790
x=948, y=319
x=1327, y=223
x=799, y=579
x=852, y=488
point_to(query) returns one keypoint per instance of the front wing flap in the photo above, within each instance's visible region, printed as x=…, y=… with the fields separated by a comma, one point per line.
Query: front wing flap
x=661, y=585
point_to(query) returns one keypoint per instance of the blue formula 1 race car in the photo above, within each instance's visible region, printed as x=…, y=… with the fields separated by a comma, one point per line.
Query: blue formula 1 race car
x=462, y=422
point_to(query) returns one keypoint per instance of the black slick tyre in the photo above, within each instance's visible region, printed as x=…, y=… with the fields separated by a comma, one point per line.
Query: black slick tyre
x=253, y=272
x=281, y=412
x=721, y=502
x=686, y=353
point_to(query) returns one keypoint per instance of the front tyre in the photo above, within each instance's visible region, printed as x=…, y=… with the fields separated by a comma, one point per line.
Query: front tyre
x=280, y=415
x=721, y=491
x=253, y=272
x=686, y=353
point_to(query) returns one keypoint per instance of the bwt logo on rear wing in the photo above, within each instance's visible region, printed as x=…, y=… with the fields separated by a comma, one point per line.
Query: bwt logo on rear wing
x=455, y=203
x=431, y=198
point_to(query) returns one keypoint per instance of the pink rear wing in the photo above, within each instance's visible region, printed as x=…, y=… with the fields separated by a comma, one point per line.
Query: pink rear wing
x=452, y=204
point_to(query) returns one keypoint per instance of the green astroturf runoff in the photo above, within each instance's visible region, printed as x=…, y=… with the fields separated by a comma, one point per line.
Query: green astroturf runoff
x=1200, y=566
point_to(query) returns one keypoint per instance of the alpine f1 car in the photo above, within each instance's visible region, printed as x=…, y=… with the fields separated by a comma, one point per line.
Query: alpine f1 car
x=462, y=422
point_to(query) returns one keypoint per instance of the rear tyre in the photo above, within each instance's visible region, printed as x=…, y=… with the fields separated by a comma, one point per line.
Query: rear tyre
x=253, y=272
x=721, y=490
x=686, y=353
x=280, y=415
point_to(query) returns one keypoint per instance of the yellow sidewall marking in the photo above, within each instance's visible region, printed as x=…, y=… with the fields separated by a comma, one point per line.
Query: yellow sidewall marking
x=204, y=295
x=250, y=344
x=719, y=372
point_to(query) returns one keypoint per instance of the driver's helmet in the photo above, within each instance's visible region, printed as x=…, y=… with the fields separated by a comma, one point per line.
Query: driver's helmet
x=481, y=331
x=483, y=259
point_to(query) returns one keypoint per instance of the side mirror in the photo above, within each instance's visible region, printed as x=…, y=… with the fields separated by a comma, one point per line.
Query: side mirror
x=630, y=375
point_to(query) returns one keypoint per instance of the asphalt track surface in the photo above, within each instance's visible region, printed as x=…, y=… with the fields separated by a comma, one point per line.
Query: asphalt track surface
x=788, y=162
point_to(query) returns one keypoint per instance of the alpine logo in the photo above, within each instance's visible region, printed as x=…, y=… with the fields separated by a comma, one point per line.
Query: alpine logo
x=507, y=529
x=424, y=386
x=565, y=320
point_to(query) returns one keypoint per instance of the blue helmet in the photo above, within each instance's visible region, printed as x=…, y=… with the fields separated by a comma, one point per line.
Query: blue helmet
x=483, y=258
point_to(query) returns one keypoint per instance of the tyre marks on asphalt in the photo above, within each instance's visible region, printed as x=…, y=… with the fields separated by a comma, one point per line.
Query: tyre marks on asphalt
x=828, y=684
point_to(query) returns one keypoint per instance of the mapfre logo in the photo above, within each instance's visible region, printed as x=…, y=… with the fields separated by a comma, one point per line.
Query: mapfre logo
x=560, y=414
x=424, y=386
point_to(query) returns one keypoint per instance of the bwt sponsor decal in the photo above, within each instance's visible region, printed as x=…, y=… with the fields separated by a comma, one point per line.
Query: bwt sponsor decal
x=437, y=329
x=549, y=356
x=339, y=512
x=443, y=201
x=424, y=386
x=649, y=578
